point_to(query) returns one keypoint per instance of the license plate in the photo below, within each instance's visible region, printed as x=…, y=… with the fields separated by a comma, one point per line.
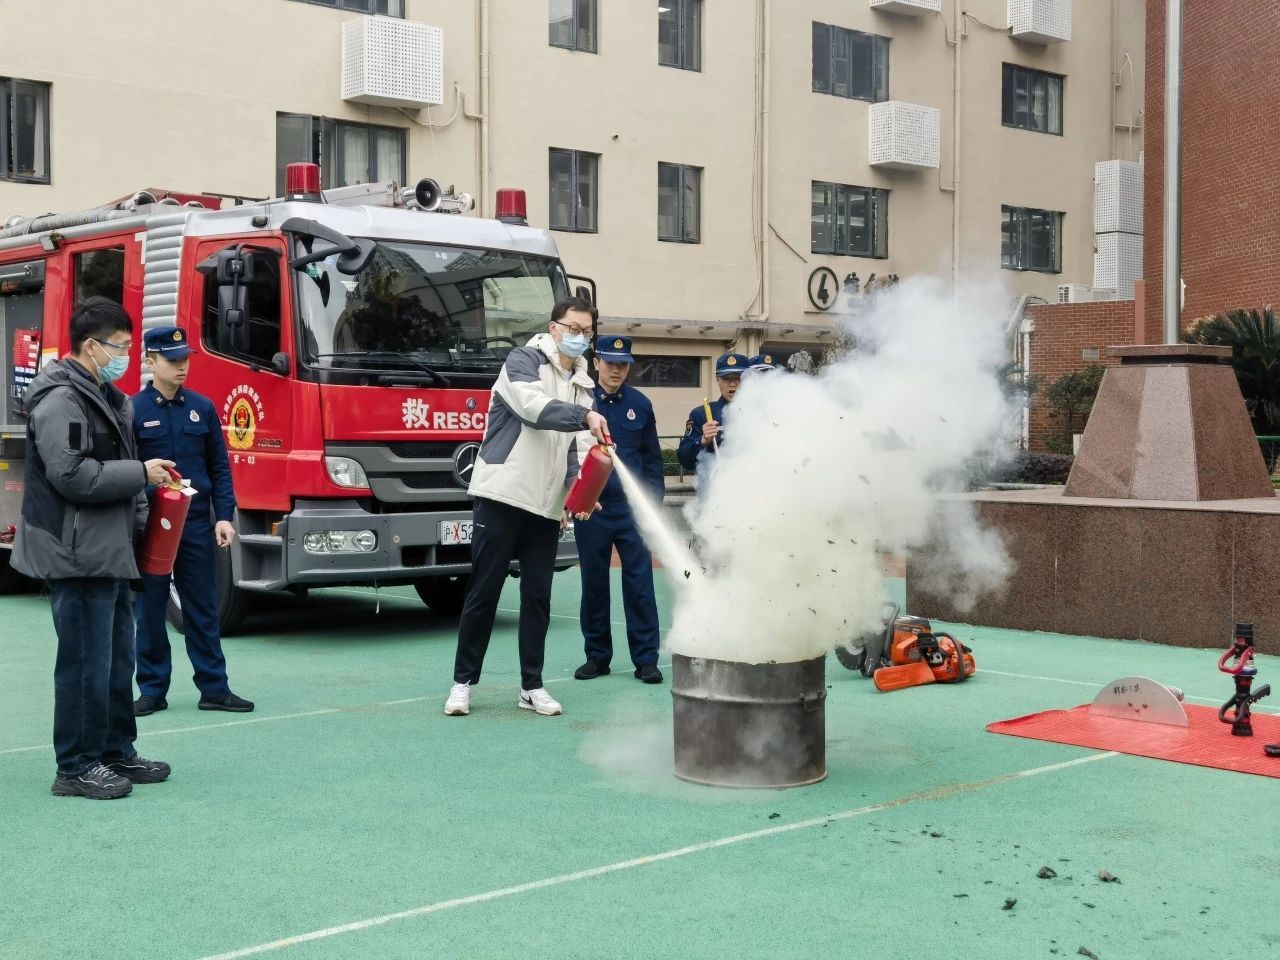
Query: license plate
x=455, y=532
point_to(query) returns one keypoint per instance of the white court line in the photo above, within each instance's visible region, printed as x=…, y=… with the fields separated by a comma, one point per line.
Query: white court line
x=355, y=708
x=645, y=861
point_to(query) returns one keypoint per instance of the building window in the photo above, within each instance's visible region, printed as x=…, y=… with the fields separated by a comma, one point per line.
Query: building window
x=850, y=221
x=680, y=34
x=1030, y=239
x=1032, y=100
x=679, y=202
x=849, y=63
x=388, y=8
x=24, y=131
x=666, y=372
x=348, y=153
x=574, y=178
x=573, y=25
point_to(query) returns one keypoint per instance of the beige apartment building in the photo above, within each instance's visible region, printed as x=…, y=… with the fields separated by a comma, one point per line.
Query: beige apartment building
x=723, y=169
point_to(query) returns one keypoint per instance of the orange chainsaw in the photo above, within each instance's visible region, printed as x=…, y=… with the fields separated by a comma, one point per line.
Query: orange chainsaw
x=907, y=653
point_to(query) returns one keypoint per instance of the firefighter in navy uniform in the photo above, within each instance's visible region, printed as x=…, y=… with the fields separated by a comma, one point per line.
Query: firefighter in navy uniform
x=634, y=430
x=701, y=438
x=185, y=426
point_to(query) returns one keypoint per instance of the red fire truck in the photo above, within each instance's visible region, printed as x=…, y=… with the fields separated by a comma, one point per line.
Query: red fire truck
x=349, y=338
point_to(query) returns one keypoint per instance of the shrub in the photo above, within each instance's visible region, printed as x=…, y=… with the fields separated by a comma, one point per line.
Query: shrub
x=1025, y=467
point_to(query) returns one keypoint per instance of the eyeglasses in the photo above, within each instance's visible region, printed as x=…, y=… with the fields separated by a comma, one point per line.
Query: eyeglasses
x=574, y=327
x=118, y=347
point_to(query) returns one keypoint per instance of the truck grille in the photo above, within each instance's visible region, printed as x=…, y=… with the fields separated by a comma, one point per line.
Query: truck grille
x=407, y=472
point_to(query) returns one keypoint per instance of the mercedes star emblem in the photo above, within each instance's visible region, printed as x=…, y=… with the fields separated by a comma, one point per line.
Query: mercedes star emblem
x=464, y=463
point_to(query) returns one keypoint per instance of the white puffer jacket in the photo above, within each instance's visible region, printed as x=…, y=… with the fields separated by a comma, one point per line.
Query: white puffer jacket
x=536, y=435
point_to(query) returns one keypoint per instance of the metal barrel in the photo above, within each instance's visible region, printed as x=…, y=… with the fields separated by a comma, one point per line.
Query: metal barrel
x=749, y=724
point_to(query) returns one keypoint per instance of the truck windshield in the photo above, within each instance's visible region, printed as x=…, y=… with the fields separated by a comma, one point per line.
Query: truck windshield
x=448, y=308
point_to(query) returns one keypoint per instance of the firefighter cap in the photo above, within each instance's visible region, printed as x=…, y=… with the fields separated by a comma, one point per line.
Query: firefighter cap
x=169, y=342
x=614, y=349
x=731, y=365
x=762, y=363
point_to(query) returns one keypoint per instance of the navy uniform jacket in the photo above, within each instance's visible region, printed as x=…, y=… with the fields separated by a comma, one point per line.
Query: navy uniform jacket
x=691, y=443
x=634, y=429
x=187, y=431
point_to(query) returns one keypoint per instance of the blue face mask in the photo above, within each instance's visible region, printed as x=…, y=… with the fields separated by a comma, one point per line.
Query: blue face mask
x=115, y=368
x=574, y=345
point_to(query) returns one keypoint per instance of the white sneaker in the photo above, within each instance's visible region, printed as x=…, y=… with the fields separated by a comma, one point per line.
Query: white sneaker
x=539, y=701
x=459, y=702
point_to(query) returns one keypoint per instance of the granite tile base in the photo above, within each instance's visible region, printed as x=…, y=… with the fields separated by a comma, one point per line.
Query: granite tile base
x=1174, y=572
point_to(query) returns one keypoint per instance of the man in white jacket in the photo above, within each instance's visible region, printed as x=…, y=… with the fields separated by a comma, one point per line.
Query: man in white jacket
x=540, y=427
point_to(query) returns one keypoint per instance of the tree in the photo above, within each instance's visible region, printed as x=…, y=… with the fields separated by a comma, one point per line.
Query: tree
x=1070, y=399
x=1254, y=339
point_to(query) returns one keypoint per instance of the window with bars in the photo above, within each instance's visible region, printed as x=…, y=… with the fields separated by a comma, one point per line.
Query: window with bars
x=574, y=182
x=1031, y=99
x=387, y=8
x=850, y=63
x=24, y=131
x=1030, y=239
x=348, y=153
x=850, y=221
x=679, y=203
x=680, y=34
x=573, y=25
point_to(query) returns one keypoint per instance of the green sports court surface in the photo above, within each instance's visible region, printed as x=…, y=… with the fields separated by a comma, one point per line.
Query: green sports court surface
x=349, y=818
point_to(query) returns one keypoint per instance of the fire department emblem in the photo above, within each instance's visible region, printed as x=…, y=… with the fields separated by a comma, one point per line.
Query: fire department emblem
x=177, y=336
x=617, y=344
x=195, y=417
x=732, y=362
x=243, y=414
x=768, y=358
x=631, y=414
x=242, y=425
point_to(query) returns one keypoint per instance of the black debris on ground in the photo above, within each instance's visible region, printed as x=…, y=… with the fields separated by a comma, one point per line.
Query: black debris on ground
x=774, y=816
x=1106, y=876
x=1009, y=903
x=1046, y=873
x=1086, y=952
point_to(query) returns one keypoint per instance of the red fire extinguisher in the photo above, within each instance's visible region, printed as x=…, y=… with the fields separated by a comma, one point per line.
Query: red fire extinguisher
x=169, y=505
x=592, y=476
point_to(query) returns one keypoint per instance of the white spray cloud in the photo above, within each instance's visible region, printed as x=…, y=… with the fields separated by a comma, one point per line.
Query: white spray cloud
x=821, y=474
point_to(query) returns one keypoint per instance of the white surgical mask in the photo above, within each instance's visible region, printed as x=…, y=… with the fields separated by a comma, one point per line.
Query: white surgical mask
x=574, y=345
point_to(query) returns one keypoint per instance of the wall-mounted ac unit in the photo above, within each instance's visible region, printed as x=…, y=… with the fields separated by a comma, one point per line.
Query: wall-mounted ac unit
x=904, y=136
x=910, y=8
x=1079, y=293
x=391, y=62
x=1040, y=21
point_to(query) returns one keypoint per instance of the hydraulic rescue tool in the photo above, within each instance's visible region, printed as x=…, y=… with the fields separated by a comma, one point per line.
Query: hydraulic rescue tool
x=1238, y=662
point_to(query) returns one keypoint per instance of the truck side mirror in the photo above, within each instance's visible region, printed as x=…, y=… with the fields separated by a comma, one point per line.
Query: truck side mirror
x=281, y=364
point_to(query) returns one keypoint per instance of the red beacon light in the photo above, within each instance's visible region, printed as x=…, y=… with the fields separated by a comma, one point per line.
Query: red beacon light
x=302, y=181
x=512, y=207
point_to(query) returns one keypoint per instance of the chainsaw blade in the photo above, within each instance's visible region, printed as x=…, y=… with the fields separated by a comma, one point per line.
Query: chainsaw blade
x=900, y=677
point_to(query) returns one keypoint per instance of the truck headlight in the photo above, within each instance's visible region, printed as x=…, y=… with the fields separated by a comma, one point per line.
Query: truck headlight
x=345, y=472
x=340, y=541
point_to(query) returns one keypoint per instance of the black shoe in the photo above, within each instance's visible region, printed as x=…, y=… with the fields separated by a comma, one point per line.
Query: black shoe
x=230, y=703
x=649, y=673
x=137, y=770
x=590, y=670
x=145, y=706
x=96, y=783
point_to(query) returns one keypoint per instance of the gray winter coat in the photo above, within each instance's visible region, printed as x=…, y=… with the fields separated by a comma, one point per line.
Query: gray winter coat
x=83, y=505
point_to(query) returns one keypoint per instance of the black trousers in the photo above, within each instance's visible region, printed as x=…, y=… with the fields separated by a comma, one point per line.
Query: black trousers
x=504, y=533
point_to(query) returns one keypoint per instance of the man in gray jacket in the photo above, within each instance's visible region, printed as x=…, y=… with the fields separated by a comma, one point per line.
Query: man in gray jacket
x=540, y=427
x=82, y=509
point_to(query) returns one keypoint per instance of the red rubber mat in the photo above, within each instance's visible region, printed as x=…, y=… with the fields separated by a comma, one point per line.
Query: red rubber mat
x=1206, y=742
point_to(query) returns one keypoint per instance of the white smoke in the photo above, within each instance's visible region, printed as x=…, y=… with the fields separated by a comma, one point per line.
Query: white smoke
x=821, y=474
